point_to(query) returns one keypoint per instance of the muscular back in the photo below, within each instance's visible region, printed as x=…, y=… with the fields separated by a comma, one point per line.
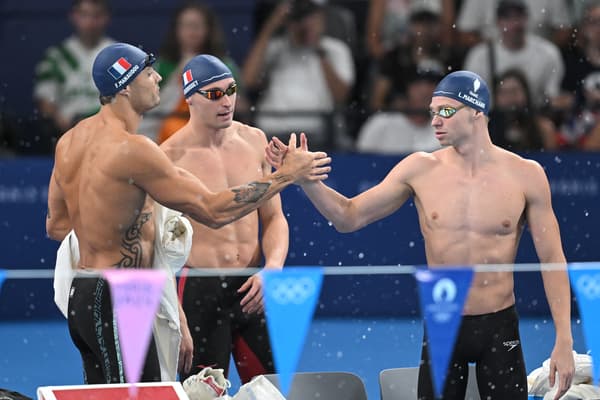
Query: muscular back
x=236, y=159
x=105, y=207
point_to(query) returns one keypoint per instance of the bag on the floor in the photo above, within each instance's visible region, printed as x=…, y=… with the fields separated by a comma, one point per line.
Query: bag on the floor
x=208, y=384
x=259, y=388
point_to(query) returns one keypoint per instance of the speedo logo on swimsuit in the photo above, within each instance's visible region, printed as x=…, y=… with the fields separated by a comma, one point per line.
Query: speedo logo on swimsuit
x=128, y=75
x=511, y=344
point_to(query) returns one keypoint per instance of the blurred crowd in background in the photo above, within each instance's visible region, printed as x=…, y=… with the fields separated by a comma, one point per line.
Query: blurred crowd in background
x=355, y=75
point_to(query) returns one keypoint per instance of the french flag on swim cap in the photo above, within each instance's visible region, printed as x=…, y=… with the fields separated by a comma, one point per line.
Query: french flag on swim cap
x=119, y=68
x=203, y=70
x=187, y=77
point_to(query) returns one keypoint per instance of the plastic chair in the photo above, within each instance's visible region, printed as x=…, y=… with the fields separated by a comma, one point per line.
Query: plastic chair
x=401, y=384
x=323, y=386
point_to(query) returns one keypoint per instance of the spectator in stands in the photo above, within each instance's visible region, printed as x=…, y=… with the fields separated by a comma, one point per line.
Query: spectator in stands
x=422, y=48
x=300, y=72
x=515, y=123
x=340, y=21
x=582, y=129
x=388, y=22
x=64, y=90
x=547, y=18
x=194, y=29
x=408, y=129
x=343, y=19
x=583, y=58
x=539, y=59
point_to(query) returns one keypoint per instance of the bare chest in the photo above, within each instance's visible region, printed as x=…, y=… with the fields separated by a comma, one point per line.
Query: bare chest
x=223, y=168
x=488, y=204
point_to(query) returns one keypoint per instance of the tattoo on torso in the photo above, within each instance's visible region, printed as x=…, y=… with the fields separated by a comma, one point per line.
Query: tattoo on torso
x=131, y=245
x=251, y=192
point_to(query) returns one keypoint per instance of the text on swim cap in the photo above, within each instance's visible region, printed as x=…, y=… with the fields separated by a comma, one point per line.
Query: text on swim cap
x=471, y=100
x=128, y=75
x=187, y=89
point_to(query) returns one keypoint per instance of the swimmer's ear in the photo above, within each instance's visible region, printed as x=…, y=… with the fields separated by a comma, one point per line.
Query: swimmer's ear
x=188, y=100
x=125, y=91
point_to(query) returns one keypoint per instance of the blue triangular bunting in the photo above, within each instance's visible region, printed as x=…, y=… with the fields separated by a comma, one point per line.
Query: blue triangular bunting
x=442, y=295
x=290, y=298
x=585, y=280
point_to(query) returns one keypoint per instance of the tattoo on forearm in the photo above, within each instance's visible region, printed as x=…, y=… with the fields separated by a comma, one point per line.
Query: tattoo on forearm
x=251, y=192
x=283, y=178
x=131, y=245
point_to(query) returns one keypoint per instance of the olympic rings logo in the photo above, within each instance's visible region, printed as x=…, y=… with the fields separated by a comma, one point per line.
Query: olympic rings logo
x=444, y=291
x=589, y=286
x=292, y=290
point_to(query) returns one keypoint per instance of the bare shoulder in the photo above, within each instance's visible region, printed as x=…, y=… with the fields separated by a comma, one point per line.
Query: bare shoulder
x=519, y=165
x=252, y=137
x=416, y=164
x=136, y=153
x=63, y=144
x=422, y=159
x=77, y=138
x=428, y=158
x=174, y=147
x=529, y=173
x=61, y=155
x=250, y=134
x=140, y=141
x=73, y=145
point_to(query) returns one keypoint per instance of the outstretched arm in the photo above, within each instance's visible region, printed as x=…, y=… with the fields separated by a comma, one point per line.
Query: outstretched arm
x=348, y=215
x=150, y=169
x=546, y=237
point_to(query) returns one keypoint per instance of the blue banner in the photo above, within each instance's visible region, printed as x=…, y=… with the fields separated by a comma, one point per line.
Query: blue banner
x=585, y=280
x=290, y=299
x=395, y=240
x=442, y=295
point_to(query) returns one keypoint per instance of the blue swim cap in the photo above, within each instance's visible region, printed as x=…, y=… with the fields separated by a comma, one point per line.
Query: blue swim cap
x=466, y=87
x=202, y=70
x=118, y=64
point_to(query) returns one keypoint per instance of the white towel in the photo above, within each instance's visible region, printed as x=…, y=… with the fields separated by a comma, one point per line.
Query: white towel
x=67, y=258
x=172, y=245
x=583, y=368
x=577, y=392
x=539, y=385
